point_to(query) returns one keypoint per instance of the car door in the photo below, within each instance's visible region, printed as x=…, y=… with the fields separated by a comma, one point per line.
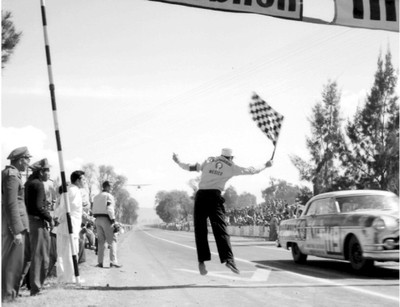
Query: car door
x=322, y=234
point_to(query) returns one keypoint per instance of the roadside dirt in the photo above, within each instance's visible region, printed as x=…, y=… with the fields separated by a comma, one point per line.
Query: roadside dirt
x=93, y=291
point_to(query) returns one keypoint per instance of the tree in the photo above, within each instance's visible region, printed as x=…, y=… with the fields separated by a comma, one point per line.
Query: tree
x=130, y=208
x=107, y=173
x=304, y=195
x=121, y=198
x=173, y=206
x=187, y=206
x=91, y=174
x=9, y=37
x=159, y=197
x=231, y=197
x=371, y=157
x=324, y=143
x=280, y=189
x=246, y=199
x=126, y=210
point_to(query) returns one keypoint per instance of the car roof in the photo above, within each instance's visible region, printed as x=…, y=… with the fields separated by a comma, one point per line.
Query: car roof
x=352, y=193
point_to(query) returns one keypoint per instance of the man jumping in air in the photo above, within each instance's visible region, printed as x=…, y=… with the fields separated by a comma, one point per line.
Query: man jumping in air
x=209, y=203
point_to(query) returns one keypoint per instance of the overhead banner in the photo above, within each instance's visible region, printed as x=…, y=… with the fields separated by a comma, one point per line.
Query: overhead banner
x=371, y=14
x=290, y=9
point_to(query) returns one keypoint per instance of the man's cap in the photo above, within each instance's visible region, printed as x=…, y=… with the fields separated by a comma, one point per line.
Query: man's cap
x=39, y=165
x=19, y=153
x=227, y=152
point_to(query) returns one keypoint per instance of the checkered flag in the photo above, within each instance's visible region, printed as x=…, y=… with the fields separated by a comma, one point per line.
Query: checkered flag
x=267, y=119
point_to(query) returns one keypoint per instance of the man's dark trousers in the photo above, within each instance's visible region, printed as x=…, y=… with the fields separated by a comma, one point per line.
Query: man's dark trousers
x=210, y=204
x=40, y=252
x=11, y=267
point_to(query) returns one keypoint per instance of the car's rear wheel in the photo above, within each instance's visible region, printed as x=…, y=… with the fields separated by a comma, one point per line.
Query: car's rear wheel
x=298, y=256
x=357, y=261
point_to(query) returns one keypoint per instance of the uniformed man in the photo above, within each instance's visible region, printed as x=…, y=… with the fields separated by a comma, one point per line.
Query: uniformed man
x=209, y=203
x=14, y=223
x=104, y=212
x=40, y=222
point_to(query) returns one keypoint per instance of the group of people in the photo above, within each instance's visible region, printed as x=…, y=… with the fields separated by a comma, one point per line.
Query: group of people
x=26, y=222
x=262, y=214
x=32, y=235
x=268, y=214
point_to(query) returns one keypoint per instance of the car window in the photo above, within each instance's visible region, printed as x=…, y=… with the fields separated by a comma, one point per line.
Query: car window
x=331, y=207
x=312, y=208
x=322, y=206
x=367, y=202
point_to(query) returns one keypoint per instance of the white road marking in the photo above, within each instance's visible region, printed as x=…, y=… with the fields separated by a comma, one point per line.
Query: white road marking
x=214, y=274
x=315, y=279
x=261, y=275
x=258, y=275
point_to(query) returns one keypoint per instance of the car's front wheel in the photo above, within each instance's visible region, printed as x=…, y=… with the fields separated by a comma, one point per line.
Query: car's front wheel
x=357, y=261
x=298, y=256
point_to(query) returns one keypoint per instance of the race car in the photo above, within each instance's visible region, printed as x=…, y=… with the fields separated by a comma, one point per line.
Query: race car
x=361, y=226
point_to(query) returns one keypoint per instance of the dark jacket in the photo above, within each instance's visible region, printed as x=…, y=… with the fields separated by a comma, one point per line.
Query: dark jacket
x=14, y=216
x=35, y=199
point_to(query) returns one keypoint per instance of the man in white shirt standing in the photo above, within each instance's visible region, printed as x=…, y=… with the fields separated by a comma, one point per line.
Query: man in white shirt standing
x=209, y=203
x=104, y=212
x=65, y=265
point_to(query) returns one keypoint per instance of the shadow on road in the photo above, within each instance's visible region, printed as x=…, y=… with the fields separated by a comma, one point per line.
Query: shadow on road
x=221, y=286
x=332, y=269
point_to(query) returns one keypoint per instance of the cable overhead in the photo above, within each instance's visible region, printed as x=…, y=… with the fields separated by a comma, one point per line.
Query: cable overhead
x=234, y=79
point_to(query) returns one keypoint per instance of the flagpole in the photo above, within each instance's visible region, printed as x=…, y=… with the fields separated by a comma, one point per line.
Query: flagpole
x=273, y=154
x=58, y=140
x=275, y=143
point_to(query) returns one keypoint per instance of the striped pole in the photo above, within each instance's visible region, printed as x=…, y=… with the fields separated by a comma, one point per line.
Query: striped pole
x=58, y=140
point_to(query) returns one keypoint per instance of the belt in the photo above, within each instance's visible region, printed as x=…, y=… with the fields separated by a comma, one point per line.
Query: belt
x=212, y=191
x=100, y=215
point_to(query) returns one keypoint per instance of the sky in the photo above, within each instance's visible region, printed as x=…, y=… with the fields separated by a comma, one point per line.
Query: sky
x=136, y=81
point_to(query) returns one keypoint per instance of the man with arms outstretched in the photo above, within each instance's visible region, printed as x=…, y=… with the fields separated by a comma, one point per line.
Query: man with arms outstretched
x=209, y=203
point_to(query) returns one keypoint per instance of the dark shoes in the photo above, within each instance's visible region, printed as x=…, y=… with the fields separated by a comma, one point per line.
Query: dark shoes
x=36, y=293
x=231, y=265
x=112, y=265
x=202, y=268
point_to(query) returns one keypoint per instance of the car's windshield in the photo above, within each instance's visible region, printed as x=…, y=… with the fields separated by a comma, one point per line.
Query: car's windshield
x=368, y=202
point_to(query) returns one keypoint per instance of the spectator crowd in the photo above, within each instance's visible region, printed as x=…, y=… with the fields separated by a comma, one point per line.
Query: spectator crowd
x=36, y=229
x=268, y=214
x=262, y=214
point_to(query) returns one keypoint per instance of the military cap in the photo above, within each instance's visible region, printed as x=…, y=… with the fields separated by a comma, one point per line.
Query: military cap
x=19, y=153
x=39, y=165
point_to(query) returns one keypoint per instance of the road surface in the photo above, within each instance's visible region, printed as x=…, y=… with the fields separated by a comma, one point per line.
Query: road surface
x=160, y=269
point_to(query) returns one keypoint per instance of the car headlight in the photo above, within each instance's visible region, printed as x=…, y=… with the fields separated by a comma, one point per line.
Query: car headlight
x=391, y=222
x=379, y=224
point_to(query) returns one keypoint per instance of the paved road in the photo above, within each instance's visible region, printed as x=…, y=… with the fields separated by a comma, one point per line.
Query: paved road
x=160, y=269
